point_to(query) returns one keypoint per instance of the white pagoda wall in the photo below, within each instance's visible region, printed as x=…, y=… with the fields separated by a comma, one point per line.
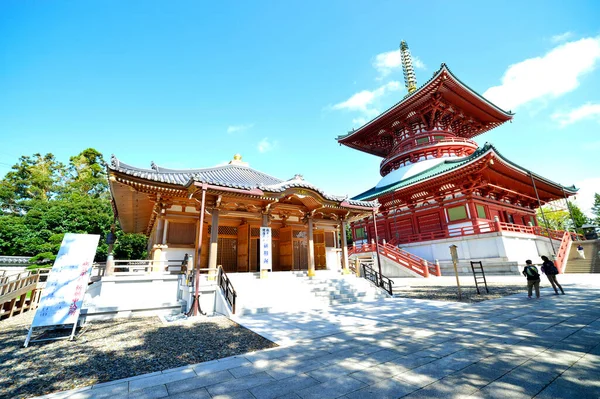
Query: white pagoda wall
x=491, y=247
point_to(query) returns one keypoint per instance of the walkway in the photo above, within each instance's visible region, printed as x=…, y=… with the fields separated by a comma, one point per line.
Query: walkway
x=507, y=348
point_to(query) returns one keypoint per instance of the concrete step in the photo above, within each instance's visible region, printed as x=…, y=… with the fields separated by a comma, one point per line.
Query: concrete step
x=326, y=289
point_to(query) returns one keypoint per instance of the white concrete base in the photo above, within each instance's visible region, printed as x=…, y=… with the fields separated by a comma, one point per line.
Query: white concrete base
x=133, y=295
x=491, y=248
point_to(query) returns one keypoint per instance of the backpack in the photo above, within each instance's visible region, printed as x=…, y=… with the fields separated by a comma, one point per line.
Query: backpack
x=550, y=268
x=531, y=271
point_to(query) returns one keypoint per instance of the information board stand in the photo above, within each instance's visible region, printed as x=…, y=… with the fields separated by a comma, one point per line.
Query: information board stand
x=62, y=297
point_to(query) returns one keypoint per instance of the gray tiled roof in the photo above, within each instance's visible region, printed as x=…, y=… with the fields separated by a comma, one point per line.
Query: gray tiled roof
x=236, y=176
x=232, y=175
x=14, y=260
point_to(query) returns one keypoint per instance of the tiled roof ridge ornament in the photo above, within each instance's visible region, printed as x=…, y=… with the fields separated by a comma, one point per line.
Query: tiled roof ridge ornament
x=153, y=166
x=114, y=162
x=237, y=160
x=298, y=176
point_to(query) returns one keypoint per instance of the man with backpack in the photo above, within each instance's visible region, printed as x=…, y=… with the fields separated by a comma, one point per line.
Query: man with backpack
x=533, y=278
x=550, y=270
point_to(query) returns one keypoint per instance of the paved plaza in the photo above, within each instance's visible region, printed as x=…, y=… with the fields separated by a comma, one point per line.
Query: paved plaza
x=513, y=347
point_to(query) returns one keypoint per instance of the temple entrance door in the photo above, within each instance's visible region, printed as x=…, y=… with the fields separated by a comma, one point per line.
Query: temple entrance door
x=286, y=249
x=319, y=245
x=243, y=233
x=300, y=241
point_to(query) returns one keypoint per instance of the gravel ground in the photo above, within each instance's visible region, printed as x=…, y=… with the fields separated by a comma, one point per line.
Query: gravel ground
x=111, y=350
x=450, y=293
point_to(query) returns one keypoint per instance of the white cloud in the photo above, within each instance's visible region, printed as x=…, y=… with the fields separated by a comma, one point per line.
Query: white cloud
x=585, y=195
x=562, y=37
x=549, y=76
x=360, y=121
x=387, y=62
x=363, y=102
x=586, y=111
x=239, y=128
x=266, y=145
x=417, y=63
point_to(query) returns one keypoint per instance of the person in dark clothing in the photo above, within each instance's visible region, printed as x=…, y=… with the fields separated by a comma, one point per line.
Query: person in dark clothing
x=550, y=270
x=533, y=278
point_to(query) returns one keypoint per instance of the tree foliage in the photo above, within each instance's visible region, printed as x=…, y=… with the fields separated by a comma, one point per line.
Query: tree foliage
x=560, y=219
x=596, y=210
x=41, y=199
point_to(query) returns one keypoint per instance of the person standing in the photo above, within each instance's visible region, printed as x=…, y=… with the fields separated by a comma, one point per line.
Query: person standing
x=550, y=270
x=533, y=278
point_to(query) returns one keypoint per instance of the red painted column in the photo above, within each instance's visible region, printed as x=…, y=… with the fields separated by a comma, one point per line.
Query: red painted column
x=473, y=212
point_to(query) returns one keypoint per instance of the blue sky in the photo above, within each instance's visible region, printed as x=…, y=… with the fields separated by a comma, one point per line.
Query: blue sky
x=191, y=83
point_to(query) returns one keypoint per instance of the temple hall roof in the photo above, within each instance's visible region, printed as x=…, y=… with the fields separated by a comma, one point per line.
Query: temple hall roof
x=234, y=175
x=450, y=165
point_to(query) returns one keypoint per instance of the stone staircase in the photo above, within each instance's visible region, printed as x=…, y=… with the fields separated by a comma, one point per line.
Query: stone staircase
x=591, y=263
x=295, y=291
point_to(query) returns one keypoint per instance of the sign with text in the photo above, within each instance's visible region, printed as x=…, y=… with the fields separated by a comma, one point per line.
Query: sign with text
x=265, y=249
x=67, y=282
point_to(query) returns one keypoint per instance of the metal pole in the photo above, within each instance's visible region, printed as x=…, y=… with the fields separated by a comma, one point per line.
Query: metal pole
x=396, y=233
x=197, y=282
x=570, y=213
x=542, y=210
x=377, y=247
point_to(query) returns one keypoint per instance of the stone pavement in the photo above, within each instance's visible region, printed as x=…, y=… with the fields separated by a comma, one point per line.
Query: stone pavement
x=511, y=347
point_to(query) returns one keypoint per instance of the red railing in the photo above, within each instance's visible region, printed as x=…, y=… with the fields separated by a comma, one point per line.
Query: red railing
x=482, y=227
x=417, y=264
x=401, y=257
x=561, y=254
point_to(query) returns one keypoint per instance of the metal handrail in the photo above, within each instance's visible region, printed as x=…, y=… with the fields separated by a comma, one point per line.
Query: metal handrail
x=227, y=288
x=378, y=279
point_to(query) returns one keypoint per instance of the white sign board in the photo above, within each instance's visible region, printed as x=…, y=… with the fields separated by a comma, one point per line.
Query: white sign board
x=266, y=249
x=67, y=282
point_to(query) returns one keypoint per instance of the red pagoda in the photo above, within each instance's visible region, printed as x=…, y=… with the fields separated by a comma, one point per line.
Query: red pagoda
x=438, y=187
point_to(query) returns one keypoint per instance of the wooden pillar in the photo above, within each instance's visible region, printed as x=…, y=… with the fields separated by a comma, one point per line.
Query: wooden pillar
x=157, y=258
x=345, y=267
x=473, y=213
x=165, y=230
x=214, y=240
x=109, y=269
x=388, y=230
x=158, y=236
x=311, y=249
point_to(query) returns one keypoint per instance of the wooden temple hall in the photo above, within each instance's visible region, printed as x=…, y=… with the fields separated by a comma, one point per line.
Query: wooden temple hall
x=217, y=213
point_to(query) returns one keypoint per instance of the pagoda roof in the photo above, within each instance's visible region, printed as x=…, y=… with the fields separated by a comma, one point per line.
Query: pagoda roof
x=451, y=165
x=445, y=84
x=234, y=175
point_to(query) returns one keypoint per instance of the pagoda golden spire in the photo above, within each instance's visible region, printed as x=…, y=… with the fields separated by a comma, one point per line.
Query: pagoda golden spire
x=410, y=81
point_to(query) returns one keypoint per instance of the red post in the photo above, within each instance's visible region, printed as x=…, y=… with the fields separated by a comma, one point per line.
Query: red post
x=438, y=270
x=425, y=268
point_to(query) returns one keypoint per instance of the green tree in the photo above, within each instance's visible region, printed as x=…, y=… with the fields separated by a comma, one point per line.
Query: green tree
x=32, y=178
x=41, y=200
x=558, y=219
x=87, y=173
x=130, y=246
x=596, y=209
x=578, y=216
